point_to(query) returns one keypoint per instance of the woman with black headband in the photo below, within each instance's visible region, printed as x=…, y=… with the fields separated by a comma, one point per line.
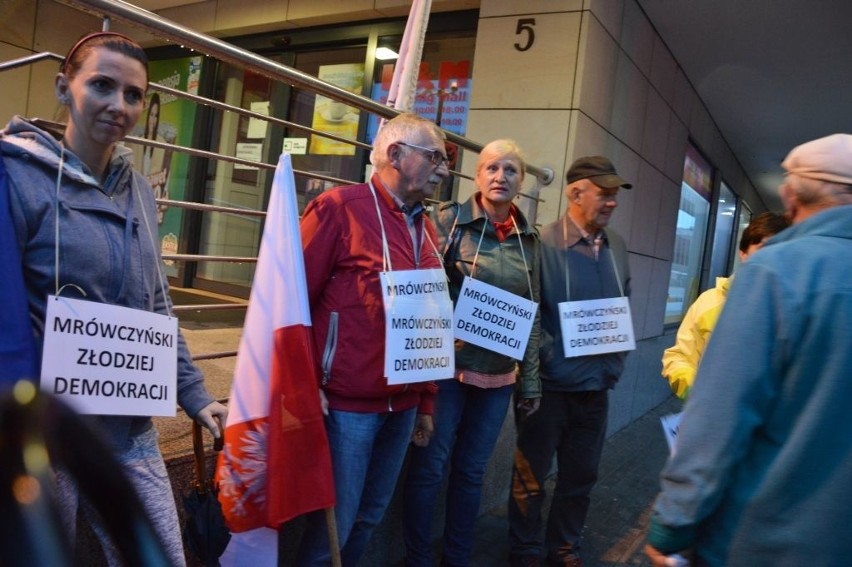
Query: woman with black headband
x=86, y=227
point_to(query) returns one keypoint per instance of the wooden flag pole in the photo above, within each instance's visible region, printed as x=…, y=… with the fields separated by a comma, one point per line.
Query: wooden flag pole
x=333, y=542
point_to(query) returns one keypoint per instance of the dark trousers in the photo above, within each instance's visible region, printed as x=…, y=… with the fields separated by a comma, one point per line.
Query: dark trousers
x=571, y=425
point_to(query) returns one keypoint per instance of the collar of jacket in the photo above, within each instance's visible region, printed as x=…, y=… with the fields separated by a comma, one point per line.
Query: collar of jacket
x=574, y=234
x=392, y=201
x=470, y=211
x=24, y=137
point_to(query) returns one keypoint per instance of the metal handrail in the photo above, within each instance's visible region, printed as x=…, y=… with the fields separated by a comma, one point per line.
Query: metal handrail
x=212, y=103
x=210, y=258
x=223, y=51
x=205, y=207
x=29, y=60
x=251, y=114
x=41, y=122
x=208, y=307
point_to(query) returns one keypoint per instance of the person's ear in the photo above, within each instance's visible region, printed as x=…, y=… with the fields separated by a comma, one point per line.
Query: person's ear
x=394, y=155
x=63, y=94
x=575, y=194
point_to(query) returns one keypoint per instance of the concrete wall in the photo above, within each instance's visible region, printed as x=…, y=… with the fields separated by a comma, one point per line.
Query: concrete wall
x=599, y=80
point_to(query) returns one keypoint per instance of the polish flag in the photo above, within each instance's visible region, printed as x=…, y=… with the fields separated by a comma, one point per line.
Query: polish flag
x=276, y=463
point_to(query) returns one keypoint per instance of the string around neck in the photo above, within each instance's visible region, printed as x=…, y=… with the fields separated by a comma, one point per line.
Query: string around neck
x=57, y=290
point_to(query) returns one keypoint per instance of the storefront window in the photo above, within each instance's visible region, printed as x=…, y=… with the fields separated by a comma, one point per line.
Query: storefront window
x=443, y=91
x=744, y=218
x=317, y=154
x=692, y=219
x=723, y=245
x=168, y=119
x=238, y=186
x=443, y=94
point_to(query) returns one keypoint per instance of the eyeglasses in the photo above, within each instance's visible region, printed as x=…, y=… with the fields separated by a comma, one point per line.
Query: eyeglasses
x=434, y=156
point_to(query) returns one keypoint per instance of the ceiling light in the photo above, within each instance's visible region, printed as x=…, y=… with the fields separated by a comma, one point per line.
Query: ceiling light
x=386, y=54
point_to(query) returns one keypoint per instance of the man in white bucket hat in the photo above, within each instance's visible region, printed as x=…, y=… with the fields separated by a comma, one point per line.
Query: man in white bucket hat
x=762, y=470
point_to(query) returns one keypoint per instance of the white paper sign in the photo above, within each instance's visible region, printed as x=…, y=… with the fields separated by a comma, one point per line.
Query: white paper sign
x=671, y=426
x=256, y=126
x=296, y=146
x=418, y=326
x=110, y=360
x=493, y=318
x=249, y=151
x=596, y=326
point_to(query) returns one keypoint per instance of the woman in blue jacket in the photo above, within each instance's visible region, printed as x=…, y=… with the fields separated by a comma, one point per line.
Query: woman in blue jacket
x=86, y=227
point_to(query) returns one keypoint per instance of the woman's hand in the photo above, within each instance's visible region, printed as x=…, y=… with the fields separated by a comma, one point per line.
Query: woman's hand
x=529, y=406
x=207, y=417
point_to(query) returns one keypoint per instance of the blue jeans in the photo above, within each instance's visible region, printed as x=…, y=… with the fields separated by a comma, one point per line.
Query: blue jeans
x=467, y=423
x=367, y=452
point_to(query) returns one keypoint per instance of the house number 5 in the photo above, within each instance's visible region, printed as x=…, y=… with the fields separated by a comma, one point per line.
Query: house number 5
x=525, y=25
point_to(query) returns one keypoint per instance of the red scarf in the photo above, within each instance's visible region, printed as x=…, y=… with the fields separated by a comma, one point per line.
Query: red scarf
x=506, y=228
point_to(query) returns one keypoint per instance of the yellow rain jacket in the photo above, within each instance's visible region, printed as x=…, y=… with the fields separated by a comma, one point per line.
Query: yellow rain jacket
x=680, y=362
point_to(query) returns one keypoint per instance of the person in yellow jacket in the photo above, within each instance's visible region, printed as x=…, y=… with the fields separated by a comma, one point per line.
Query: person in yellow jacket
x=680, y=362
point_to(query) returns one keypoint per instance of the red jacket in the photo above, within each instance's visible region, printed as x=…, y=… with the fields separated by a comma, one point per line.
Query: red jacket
x=342, y=242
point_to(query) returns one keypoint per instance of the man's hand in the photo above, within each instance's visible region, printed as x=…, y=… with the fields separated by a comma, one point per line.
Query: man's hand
x=207, y=417
x=660, y=560
x=423, y=429
x=529, y=406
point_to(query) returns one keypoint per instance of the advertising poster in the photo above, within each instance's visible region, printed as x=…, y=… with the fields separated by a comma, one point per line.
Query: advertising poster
x=168, y=119
x=336, y=117
x=443, y=94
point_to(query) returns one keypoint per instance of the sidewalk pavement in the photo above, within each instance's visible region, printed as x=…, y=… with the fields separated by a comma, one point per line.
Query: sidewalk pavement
x=621, y=501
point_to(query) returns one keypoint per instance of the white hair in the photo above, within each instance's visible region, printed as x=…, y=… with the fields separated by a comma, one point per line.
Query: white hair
x=401, y=128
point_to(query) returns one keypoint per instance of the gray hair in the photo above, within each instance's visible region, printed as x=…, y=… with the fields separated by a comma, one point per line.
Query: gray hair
x=819, y=193
x=401, y=128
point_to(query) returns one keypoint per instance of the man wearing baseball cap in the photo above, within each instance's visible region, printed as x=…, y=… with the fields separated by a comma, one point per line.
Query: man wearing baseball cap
x=582, y=262
x=763, y=467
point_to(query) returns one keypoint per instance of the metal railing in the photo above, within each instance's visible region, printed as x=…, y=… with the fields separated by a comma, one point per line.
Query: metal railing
x=223, y=51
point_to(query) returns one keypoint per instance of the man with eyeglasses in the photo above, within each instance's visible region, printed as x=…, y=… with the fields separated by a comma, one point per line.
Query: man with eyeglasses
x=584, y=272
x=353, y=237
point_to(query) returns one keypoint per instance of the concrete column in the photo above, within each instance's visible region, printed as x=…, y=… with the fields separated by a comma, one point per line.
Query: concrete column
x=524, y=78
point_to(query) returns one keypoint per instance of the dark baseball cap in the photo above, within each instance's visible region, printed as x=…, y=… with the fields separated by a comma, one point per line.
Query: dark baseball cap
x=598, y=169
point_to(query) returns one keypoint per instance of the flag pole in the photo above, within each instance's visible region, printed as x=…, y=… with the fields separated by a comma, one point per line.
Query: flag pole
x=333, y=540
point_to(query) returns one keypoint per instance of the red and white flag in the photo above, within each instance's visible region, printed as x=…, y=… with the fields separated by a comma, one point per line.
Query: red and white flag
x=276, y=463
